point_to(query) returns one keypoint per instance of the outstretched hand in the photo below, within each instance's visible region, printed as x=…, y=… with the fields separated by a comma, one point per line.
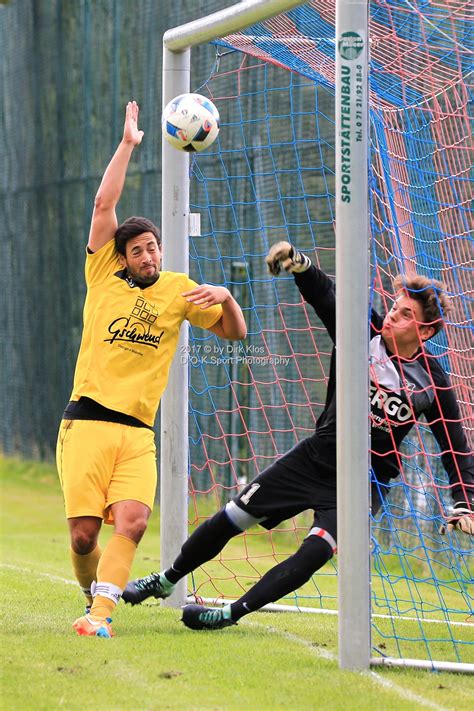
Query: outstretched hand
x=131, y=134
x=462, y=519
x=283, y=255
x=206, y=295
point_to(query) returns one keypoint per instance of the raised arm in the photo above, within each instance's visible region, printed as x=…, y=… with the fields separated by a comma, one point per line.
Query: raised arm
x=232, y=324
x=104, y=220
x=316, y=288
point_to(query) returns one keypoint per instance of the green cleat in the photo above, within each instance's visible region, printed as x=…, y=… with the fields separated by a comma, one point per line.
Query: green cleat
x=152, y=585
x=198, y=617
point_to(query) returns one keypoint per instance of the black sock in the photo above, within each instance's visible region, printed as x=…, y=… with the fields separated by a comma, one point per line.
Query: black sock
x=204, y=544
x=173, y=575
x=285, y=577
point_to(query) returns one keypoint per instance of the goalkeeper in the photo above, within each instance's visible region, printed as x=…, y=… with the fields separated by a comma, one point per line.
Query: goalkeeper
x=105, y=449
x=406, y=382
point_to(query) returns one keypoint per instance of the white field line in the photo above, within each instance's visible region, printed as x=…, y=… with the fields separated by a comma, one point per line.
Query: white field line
x=405, y=693
x=376, y=678
x=38, y=574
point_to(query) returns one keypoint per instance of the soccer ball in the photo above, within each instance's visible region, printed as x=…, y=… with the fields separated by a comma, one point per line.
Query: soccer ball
x=190, y=122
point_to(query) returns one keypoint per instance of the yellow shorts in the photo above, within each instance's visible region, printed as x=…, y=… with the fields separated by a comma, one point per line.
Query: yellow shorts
x=100, y=463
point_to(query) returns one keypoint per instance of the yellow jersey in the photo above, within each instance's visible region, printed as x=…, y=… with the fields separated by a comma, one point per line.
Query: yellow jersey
x=130, y=335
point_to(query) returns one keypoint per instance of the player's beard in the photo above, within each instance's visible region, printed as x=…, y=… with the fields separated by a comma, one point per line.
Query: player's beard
x=141, y=277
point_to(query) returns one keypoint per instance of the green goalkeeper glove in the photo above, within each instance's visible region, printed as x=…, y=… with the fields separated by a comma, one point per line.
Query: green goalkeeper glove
x=283, y=255
x=462, y=519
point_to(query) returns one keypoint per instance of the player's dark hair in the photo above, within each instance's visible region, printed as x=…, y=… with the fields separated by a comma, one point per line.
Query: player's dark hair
x=133, y=227
x=431, y=295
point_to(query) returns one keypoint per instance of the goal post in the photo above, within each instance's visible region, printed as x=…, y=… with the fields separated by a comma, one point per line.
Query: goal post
x=352, y=333
x=174, y=403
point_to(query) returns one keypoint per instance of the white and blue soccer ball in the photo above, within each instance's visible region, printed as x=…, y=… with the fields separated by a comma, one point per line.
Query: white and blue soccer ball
x=190, y=122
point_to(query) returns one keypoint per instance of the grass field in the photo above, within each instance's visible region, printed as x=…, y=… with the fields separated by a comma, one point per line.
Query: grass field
x=270, y=661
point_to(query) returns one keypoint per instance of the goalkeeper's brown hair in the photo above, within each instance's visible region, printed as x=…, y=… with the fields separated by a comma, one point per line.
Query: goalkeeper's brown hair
x=431, y=294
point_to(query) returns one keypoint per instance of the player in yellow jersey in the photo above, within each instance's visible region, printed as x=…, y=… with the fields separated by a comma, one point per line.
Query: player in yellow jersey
x=105, y=450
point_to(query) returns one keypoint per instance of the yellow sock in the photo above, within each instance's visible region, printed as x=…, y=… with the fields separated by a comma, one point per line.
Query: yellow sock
x=85, y=569
x=113, y=572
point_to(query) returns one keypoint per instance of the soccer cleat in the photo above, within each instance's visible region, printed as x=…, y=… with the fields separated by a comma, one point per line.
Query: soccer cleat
x=150, y=586
x=198, y=617
x=91, y=626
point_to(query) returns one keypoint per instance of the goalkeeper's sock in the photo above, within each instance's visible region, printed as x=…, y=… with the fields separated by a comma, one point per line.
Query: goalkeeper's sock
x=239, y=609
x=169, y=578
x=85, y=569
x=204, y=544
x=285, y=577
x=113, y=572
x=227, y=613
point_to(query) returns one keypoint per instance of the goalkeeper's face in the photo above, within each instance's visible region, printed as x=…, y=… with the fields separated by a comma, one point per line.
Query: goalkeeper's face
x=404, y=329
x=143, y=258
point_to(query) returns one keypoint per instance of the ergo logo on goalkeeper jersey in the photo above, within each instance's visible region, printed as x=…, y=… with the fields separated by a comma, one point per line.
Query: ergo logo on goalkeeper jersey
x=391, y=404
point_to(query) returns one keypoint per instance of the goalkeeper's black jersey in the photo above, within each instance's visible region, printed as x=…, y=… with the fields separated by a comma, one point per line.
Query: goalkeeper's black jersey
x=400, y=392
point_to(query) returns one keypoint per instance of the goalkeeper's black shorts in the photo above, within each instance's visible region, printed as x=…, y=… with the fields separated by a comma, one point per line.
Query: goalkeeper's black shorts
x=304, y=478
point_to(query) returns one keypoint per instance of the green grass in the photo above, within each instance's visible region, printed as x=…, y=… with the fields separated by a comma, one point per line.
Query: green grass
x=269, y=661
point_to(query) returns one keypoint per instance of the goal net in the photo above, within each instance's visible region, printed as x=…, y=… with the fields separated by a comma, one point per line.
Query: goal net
x=270, y=177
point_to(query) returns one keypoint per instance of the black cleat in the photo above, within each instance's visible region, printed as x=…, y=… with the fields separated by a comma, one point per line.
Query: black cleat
x=150, y=586
x=198, y=617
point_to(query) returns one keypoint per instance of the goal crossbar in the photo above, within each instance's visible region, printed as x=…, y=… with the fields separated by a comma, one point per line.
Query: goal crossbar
x=224, y=22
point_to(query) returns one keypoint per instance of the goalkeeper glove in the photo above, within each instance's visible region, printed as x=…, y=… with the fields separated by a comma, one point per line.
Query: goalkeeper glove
x=283, y=255
x=461, y=519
